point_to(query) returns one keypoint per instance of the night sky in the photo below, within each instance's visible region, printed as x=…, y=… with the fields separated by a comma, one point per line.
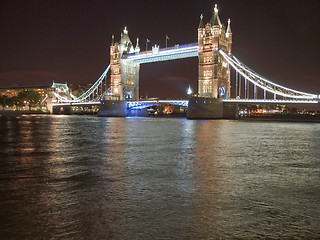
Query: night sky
x=68, y=41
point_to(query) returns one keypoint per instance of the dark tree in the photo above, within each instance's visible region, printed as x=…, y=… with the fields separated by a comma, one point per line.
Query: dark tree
x=29, y=97
x=5, y=101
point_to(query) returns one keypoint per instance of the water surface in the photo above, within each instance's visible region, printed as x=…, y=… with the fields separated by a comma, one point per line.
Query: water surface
x=77, y=177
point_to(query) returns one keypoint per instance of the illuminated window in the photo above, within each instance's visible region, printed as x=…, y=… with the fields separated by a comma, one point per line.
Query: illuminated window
x=207, y=87
x=207, y=73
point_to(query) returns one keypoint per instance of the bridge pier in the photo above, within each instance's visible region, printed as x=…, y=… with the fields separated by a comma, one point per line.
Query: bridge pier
x=117, y=108
x=211, y=108
x=67, y=110
x=110, y=108
x=199, y=108
x=230, y=110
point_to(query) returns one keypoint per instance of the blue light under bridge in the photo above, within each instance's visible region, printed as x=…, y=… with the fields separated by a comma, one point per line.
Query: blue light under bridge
x=133, y=105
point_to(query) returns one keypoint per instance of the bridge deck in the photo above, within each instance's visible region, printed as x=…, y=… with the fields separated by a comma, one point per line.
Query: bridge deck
x=184, y=103
x=164, y=54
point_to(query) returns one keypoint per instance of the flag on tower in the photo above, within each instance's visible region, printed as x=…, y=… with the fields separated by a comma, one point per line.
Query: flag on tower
x=167, y=38
x=147, y=44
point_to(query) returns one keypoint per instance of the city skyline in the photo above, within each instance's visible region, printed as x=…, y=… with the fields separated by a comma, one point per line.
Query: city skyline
x=69, y=42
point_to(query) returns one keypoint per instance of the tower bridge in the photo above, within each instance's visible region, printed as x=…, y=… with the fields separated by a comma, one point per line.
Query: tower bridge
x=215, y=63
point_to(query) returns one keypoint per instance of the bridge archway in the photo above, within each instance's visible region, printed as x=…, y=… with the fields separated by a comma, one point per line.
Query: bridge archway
x=222, y=93
x=128, y=96
x=168, y=80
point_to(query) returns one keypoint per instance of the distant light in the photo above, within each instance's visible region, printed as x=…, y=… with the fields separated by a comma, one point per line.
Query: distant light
x=189, y=91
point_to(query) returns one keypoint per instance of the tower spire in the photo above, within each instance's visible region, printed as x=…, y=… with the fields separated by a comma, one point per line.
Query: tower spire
x=125, y=30
x=215, y=20
x=112, y=41
x=201, y=25
x=229, y=28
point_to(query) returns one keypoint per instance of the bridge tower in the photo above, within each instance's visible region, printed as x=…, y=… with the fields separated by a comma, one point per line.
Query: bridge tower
x=124, y=73
x=214, y=71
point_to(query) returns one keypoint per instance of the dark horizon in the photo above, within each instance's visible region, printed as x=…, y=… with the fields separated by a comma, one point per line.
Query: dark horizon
x=45, y=41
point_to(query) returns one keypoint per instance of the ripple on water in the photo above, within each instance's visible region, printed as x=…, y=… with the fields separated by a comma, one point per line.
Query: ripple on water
x=144, y=178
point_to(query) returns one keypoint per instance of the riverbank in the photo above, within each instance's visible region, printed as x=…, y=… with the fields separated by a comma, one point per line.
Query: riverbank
x=284, y=118
x=274, y=117
x=19, y=113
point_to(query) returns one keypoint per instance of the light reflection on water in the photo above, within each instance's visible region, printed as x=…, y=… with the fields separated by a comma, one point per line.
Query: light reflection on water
x=157, y=178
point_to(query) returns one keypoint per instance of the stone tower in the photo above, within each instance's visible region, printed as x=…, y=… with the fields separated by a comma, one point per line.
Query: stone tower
x=124, y=73
x=214, y=72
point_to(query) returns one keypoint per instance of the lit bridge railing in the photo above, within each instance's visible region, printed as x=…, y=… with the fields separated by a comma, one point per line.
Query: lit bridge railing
x=95, y=93
x=165, y=54
x=271, y=101
x=263, y=83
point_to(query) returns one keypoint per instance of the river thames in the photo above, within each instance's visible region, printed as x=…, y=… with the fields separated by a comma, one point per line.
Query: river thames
x=83, y=177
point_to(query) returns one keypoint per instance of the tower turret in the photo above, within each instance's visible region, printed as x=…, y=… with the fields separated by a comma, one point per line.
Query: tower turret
x=229, y=29
x=229, y=36
x=115, y=76
x=201, y=25
x=216, y=28
x=137, y=48
x=112, y=40
x=200, y=32
x=126, y=44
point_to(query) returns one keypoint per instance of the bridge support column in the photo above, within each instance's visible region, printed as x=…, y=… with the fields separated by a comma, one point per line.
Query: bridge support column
x=111, y=108
x=65, y=110
x=211, y=108
x=230, y=110
x=205, y=108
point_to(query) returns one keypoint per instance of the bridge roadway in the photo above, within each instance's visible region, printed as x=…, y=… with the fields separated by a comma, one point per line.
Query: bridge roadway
x=184, y=103
x=164, y=54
